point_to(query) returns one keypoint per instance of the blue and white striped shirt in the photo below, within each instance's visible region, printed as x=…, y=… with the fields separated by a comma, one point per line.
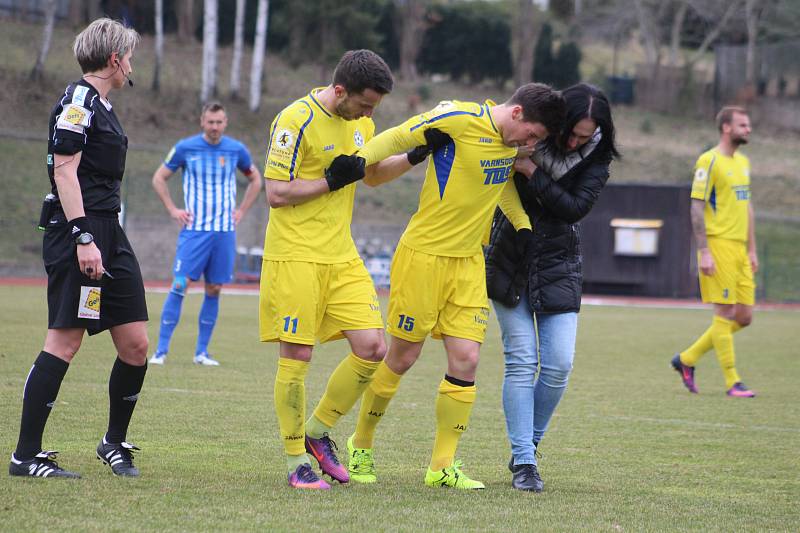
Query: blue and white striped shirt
x=209, y=179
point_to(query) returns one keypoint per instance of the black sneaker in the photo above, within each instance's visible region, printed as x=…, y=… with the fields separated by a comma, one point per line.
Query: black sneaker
x=43, y=465
x=526, y=477
x=119, y=457
x=536, y=454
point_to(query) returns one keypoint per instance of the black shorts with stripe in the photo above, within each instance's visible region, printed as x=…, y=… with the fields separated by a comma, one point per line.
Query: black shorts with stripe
x=70, y=292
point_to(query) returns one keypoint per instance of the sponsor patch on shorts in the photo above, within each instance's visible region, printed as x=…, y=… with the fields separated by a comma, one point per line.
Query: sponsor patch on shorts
x=89, y=304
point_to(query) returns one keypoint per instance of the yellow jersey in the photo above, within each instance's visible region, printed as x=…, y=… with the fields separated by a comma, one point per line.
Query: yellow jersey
x=303, y=140
x=723, y=183
x=464, y=181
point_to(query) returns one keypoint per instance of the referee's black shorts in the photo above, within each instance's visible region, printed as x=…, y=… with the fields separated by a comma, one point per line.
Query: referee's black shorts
x=73, y=300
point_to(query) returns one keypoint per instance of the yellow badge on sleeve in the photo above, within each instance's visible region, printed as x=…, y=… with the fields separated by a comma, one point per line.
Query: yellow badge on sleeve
x=75, y=114
x=89, y=303
x=74, y=118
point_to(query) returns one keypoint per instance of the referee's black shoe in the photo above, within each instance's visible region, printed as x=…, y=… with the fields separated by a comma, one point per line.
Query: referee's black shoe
x=119, y=457
x=526, y=477
x=43, y=465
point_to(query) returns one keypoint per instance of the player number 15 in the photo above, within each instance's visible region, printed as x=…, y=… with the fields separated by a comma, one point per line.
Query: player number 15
x=406, y=323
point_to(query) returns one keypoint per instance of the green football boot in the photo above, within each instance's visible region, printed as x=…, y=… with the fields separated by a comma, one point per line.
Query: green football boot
x=361, y=464
x=452, y=476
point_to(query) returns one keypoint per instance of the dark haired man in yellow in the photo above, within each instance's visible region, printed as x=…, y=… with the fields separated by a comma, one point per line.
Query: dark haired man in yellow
x=314, y=286
x=438, y=280
x=724, y=229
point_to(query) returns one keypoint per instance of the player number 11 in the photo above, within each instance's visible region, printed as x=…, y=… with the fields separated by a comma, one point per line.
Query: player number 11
x=289, y=321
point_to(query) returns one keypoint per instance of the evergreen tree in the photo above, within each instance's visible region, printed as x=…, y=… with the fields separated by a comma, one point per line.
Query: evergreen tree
x=568, y=62
x=543, y=62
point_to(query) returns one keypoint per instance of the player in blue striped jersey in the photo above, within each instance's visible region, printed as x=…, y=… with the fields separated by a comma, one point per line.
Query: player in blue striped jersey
x=207, y=242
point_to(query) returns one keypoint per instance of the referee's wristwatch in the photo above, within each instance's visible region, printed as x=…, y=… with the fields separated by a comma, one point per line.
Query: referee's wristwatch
x=84, y=238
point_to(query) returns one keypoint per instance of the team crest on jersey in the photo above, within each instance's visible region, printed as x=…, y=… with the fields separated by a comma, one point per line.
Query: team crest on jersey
x=222, y=161
x=358, y=139
x=700, y=175
x=444, y=105
x=284, y=138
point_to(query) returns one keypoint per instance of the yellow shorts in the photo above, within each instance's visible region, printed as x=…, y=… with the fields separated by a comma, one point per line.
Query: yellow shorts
x=304, y=302
x=733, y=281
x=437, y=295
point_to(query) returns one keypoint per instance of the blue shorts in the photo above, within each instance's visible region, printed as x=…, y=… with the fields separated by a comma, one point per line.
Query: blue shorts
x=210, y=253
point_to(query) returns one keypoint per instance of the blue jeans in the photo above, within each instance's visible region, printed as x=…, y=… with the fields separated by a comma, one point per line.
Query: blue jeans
x=529, y=400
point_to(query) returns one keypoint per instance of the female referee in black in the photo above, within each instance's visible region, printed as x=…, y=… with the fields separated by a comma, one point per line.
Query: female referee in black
x=93, y=278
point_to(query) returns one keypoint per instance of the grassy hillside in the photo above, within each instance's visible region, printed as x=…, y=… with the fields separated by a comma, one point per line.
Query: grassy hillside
x=656, y=148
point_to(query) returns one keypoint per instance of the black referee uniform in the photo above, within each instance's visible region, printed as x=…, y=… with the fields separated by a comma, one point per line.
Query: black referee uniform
x=84, y=122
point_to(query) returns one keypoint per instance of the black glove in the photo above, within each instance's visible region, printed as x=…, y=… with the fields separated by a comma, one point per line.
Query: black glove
x=435, y=139
x=344, y=170
x=523, y=244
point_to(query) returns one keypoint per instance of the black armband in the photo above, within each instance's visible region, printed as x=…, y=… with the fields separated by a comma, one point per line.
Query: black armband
x=68, y=145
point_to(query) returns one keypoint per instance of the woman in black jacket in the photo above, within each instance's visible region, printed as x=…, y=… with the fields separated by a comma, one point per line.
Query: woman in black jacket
x=534, y=277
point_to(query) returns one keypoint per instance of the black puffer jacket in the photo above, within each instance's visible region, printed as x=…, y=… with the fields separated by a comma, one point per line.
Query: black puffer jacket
x=552, y=272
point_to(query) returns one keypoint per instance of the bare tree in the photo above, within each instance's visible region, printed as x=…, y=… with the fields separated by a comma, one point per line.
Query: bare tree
x=649, y=14
x=711, y=36
x=47, y=35
x=209, y=84
x=76, y=10
x=159, y=29
x=524, y=30
x=752, y=16
x=94, y=9
x=677, y=28
x=238, y=44
x=187, y=20
x=410, y=20
x=259, y=51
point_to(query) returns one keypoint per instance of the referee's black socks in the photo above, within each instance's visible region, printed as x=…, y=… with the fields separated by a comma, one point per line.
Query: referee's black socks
x=124, y=387
x=38, y=398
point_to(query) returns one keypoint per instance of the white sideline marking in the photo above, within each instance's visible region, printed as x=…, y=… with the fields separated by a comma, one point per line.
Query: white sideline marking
x=200, y=289
x=654, y=420
x=697, y=423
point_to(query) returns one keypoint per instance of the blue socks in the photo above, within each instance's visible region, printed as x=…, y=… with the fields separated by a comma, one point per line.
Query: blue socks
x=206, y=322
x=170, y=316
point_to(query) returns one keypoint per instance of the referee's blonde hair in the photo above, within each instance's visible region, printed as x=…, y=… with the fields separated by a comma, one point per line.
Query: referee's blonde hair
x=94, y=45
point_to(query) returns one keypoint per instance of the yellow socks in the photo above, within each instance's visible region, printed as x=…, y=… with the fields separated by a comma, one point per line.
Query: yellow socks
x=345, y=387
x=453, y=407
x=703, y=344
x=290, y=404
x=722, y=337
x=693, y=353
x=374, y=403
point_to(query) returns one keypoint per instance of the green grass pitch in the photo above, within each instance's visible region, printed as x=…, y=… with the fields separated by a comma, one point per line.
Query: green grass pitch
x=628, y=450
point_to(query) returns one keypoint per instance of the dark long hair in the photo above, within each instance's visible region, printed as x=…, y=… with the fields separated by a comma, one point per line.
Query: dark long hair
x=587, y=101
